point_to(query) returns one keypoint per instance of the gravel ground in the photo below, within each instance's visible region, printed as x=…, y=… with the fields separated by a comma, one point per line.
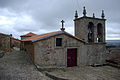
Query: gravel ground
x=16, y=65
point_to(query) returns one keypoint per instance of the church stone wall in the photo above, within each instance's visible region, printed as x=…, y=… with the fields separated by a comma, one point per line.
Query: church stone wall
x=93, y=54
x=44, y=52
x=47, y=54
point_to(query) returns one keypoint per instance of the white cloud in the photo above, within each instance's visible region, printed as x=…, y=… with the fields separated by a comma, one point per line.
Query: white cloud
x=39, y=16
x=6, y=20
x=16, y=24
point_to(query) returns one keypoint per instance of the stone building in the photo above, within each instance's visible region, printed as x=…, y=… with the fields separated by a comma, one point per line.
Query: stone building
x=16, y=42
x=30, y=34
x=50, y=49
x=60, y=48
x=92, y=30
x=5, y=41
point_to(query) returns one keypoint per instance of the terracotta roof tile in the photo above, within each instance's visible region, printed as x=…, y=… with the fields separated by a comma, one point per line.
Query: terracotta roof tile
x=40, y=36
x=28, y=34
x=1, y=33
x=15, y=40
x=43, y=36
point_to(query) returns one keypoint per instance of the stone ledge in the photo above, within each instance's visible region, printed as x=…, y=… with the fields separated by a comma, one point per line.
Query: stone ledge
x=114, y=65
x=95, y=43
x=48, y=68
x=54, y=76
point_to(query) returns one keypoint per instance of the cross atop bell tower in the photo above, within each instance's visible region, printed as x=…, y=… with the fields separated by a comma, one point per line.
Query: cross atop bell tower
x=62, y=25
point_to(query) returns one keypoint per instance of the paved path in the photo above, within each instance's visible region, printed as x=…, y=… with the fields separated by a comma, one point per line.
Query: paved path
x=87, y=73
x=17, y=66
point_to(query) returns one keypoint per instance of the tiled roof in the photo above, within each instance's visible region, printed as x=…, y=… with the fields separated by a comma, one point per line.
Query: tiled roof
x=4, y=34
x=28, y=34
x=15, y=40
x=44, y=36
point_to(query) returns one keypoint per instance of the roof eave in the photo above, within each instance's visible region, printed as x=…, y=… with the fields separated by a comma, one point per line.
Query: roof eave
x=48, y=36
x=63, y=32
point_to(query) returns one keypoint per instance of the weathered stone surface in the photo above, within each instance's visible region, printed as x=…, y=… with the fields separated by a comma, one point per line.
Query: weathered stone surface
x=47, y=54
x=94, y=52
x=85, y=73
x=17, y=65
x=5, y=43
x=81, y=27
x=15, y=42
x=1, y=54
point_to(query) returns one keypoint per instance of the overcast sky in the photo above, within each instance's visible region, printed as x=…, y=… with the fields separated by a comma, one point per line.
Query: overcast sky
x=18, y=17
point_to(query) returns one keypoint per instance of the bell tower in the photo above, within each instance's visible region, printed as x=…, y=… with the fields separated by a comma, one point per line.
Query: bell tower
x=90, y=29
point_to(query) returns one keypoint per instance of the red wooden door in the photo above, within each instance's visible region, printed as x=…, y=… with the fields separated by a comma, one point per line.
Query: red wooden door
x=71, y=57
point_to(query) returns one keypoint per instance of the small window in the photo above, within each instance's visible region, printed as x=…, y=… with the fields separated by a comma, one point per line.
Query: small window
x=58, y=41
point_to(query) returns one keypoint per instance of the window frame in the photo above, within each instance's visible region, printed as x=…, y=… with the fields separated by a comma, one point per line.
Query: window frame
x=58, y=43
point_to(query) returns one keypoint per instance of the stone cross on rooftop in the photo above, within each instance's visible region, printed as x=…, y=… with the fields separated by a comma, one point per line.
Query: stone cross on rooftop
x=62, y=25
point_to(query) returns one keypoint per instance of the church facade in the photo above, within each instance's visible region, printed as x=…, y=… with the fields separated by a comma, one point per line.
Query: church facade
x=62, y=49
x=92, y=31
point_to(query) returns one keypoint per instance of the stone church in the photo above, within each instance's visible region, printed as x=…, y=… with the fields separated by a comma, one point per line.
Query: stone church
x=62, y=49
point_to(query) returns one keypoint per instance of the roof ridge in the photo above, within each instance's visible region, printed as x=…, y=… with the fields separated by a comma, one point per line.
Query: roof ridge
x=29, y=39
x=4, y=34
x=28, y=34
x=50, y=34
x=73, y=35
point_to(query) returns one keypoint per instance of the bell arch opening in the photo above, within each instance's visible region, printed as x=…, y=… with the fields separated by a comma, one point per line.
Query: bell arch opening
x=90, y=32
x=99, y=32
